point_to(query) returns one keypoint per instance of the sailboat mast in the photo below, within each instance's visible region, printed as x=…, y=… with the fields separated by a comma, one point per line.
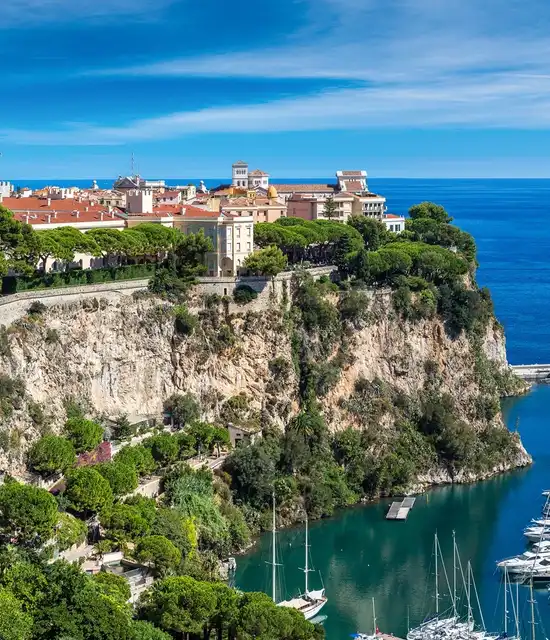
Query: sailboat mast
x=454, y=574
x=469, y=594
x=436, y=577
x=374, y=618
x=505, y=600
x=517, y=610
x=274, y=557
x=306, y=570
x=533, y=631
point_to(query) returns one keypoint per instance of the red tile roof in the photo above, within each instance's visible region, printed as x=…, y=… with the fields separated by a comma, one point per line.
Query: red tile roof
x=393, y=216
x=168, y=194
x=354, y=185
x=38, y=205
x=352, y=173
x=66, y=217
x=290, y=188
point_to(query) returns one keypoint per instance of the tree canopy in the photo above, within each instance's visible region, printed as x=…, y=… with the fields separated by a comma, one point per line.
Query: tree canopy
x=51, y=454
x=87, y=490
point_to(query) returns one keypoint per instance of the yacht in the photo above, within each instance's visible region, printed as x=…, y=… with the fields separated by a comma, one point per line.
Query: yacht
x=523, y=561
x=310, y=603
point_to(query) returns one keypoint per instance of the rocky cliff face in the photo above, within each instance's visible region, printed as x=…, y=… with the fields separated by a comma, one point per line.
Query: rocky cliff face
x=126, y=357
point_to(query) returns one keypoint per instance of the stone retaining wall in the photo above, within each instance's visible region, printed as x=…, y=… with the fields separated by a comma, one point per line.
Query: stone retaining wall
x=15, y=306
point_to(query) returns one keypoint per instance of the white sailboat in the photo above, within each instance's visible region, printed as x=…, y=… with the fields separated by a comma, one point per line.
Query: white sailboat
x=375, y=631
x=310, y=603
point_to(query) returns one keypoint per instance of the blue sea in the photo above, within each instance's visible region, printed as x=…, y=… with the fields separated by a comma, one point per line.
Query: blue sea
x=508, y=219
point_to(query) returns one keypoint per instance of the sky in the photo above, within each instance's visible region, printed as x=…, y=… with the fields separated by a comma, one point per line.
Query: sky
x=298, y=88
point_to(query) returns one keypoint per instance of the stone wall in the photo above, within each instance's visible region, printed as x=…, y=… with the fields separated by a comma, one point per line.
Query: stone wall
x=15, y=306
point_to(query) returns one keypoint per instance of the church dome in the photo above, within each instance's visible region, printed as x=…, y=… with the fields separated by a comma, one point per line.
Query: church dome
x=272, y=192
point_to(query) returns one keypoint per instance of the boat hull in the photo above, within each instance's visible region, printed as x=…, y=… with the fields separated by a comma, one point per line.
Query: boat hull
x=315, y=608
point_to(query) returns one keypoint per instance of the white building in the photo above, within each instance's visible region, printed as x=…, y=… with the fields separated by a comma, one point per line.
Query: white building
x=6, y=189
x=393, y=223
x=243, y=179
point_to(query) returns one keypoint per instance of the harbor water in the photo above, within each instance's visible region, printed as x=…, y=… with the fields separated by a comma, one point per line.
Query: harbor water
x=359, y=554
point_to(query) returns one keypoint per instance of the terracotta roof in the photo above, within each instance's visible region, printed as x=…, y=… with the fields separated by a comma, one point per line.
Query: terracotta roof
x=353, y=185
x=67, y=217
x=169, y=194
x=352, y=173
x=257, y=172
x=290, y=188
x=41, y=205
x=393, y=216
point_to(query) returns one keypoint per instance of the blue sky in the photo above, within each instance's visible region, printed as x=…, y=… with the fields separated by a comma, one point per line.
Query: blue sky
x=300, y=88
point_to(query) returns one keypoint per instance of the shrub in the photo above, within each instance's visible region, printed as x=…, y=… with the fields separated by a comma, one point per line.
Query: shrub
x=159, y=552
x=37, y=308
x=185, y=322
x=243, y=294
x=183, y=409
x=87, y=490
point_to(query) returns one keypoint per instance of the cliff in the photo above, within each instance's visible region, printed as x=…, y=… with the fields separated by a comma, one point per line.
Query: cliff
x=127, y=356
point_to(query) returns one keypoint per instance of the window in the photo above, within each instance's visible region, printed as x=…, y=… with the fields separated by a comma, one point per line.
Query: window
x=229, y=245
x=238, y=232
x=249, y=231
x=248, y=246
x=238, y=246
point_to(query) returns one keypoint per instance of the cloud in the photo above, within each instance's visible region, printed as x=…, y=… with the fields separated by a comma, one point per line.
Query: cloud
x=517, y=102
x=27, y=13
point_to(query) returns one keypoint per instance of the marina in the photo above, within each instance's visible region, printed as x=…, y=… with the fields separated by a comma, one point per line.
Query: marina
x=362, y=555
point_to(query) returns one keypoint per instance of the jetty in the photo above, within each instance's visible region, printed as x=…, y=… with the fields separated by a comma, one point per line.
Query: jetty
x=532, y=372
x=400, y=510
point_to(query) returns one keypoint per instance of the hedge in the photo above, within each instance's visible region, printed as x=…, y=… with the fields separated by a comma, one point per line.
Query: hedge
x=76, y=277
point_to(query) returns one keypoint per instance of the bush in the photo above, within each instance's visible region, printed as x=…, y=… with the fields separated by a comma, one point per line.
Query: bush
x=12, y=392
x=76, y=277
x=183, y=409
x=185, y=322
x=243, y=294
x=139, y=457
x=159, y=552
x=37, y=308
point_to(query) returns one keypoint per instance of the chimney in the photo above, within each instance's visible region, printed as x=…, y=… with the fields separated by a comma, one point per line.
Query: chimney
x=86, y=208
x=54, y=215
x=49, y=201
x=77, y=214
x=48, y=218
x=112, y=214
x=1, y=198
x=101, y=216
x=27, y=217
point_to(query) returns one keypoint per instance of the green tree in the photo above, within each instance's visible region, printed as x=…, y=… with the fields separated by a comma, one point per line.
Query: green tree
x=51, y=454
x=159, y=552
x=142, y=630
x=179, y=605
x=87, y=490
x=330, y=210
x=164, y=447
x=27, y=513
x=27, y=582
x=113, y=585
x=14, y=623
x=180, y=530
x=266, y=262
x=373, y=232
x=84, y=434
x=122, y=477
x=182, y=408
x=429, y=210
x=220, y=438
x=139, y=457
x=70, y=531
x=124, y=522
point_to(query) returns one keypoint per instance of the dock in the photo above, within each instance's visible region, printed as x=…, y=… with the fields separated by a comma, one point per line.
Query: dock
x=400, y=510
x=532, y=372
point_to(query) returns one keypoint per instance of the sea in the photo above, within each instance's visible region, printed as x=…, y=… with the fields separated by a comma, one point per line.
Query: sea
x=357, y=554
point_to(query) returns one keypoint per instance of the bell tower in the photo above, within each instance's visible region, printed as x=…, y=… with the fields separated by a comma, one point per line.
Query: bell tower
x=240, y=175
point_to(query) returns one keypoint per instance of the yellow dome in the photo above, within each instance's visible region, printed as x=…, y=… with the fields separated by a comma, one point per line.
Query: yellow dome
x=272, y=192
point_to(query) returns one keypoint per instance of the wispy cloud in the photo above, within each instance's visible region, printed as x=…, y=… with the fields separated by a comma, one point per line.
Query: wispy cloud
x=418, y=63
x=516, y=102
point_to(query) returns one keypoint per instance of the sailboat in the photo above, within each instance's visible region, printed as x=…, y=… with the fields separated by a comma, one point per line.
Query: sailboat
x=375, y=633
x=309, y=603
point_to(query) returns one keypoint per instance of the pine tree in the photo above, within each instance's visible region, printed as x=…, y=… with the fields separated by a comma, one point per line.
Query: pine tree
x=330, y=211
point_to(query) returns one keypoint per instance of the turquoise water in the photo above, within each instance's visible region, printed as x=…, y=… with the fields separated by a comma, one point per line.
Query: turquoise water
x=361, y=555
